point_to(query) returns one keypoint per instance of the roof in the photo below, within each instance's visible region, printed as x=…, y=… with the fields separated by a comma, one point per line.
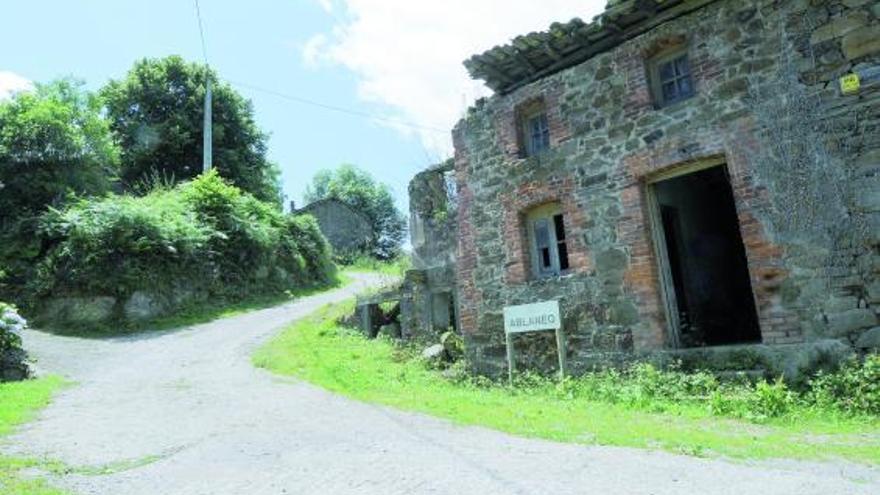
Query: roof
x=536, y=55
x=334, y=202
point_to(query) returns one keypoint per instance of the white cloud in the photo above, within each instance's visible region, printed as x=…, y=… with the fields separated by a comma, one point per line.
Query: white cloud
x=313, y=50
x=10, y=83
x=327, y=5
x=408, y=54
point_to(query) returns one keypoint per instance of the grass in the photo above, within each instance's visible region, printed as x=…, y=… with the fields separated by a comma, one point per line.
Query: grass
x=19, y=402
x=316, y=349
x=395, y=268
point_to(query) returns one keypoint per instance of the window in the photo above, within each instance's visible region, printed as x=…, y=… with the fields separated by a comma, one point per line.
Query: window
x=537, y=134
x=671, y=78
x=534, y=128
x=548, y=241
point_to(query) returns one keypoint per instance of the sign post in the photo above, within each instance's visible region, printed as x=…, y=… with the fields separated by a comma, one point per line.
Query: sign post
x=534, y=317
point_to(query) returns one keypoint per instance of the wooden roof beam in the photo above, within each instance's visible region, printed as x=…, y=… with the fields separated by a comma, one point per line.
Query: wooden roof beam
x=521, y=57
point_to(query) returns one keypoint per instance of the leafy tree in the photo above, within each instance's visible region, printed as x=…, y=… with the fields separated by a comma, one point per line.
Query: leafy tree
x=360, y=190
x=157, y=113
x=53, y=143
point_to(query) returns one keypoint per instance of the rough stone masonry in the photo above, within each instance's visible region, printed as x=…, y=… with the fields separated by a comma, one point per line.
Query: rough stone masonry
x=602, y=170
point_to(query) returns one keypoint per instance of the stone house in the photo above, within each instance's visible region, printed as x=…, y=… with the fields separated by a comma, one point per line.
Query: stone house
x=690, y=179
x=347, y=230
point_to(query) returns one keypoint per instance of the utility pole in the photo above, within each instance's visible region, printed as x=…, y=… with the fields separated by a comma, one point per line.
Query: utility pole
x=207, y=140
x=207, y=131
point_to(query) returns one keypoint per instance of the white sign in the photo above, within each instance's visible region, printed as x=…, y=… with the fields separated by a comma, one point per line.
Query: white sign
x=531, y=317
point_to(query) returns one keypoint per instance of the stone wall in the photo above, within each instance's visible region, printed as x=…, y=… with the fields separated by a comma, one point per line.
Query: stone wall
x=802, y=158
x=427, y=304
x=89, y=312
x=345, y=228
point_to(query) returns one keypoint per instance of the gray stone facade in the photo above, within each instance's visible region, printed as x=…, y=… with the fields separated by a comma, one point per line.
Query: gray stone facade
x=800, y=159
x=346, y=229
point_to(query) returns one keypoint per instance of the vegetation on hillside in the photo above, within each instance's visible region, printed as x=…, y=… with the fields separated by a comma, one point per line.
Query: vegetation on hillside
x=198, y=240
x=97, y=200
x=691, y=413
x=361, y=191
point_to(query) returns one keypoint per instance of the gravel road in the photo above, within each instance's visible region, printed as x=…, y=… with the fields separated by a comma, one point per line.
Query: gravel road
x=185, y=412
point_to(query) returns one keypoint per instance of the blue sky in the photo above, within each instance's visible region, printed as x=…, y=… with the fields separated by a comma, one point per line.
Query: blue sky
x=399, y=59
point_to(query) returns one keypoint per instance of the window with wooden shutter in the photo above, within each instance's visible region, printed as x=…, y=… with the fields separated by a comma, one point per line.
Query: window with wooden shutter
x=549, y=245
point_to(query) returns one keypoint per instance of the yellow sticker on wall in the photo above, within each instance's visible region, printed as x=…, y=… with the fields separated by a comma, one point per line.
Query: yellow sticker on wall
x=849, y=84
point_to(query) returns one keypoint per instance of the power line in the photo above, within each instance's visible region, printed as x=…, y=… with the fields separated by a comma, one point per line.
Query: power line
x=201, y=32
x=306, y=101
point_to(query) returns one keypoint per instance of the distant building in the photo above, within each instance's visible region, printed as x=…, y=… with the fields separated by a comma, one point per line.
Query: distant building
x=346, y=229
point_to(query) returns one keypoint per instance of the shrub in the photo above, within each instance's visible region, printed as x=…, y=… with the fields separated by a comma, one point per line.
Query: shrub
x=254, y=237
x=12, y=357
x=11, y=326
x=200, y=239
x=771, y=400
x=854, y=388
x=117, y=244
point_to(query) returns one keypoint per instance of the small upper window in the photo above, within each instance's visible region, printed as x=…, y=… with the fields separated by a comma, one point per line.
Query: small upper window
x=671, y=78
x=549, y=245
x=537, y=134
x=534, y=131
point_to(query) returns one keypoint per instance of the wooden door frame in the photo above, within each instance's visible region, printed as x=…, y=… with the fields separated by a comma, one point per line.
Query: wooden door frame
x=655, y=222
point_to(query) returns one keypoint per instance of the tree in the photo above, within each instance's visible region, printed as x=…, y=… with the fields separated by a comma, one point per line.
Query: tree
x=157, y=113
x=54, y=143
x=359, y=189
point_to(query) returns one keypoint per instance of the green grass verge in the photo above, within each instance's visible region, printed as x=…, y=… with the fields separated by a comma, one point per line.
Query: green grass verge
x=19, y=401
x=316, y=349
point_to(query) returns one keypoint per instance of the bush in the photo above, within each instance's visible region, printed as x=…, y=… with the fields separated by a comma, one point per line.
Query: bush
x=771, y=399
x=200, y=239
x=115, y=245
x=851, y=391
x=854, y=388
x=12, y=357
x=255, y=241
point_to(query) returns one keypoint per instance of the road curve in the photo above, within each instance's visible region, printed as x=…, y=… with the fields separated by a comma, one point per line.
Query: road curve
x=185, y=412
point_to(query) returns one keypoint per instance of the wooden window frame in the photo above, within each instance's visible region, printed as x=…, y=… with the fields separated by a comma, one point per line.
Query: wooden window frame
x=670, y=56
x=528, y=114
x=558, y=253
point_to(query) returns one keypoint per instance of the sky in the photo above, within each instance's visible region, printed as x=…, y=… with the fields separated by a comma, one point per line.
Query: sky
x=394, y=66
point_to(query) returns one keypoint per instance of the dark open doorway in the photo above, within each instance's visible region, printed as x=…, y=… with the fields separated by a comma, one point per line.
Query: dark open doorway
x=706, y=260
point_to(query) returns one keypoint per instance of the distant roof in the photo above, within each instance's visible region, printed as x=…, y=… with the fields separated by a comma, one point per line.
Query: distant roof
x=536, y=55
x=331, y=201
